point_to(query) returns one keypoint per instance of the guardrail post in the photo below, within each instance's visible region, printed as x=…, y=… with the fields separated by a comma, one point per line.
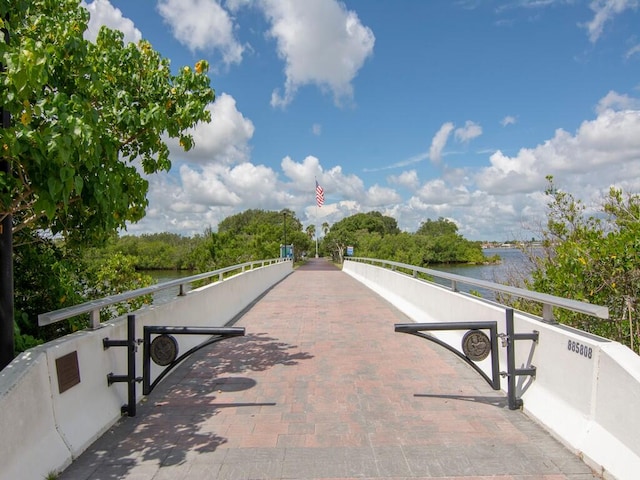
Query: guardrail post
x=547, y=313
x=94, y=319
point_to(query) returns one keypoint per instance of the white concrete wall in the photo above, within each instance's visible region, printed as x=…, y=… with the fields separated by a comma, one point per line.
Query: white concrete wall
x=44, y=430
x=586, y=391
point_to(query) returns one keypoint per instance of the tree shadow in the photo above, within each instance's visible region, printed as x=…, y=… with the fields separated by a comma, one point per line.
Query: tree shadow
x=178, y=417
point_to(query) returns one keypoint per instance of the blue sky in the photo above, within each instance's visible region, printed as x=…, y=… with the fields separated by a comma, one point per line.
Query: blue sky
x=417, y=109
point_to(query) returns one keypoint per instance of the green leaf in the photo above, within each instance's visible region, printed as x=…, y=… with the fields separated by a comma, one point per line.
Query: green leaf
x=79, y=183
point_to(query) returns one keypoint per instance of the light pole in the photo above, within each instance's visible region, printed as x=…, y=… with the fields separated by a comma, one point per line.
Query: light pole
x=284, y=229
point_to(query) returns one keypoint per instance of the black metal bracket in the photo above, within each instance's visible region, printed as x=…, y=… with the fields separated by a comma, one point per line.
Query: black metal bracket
x=217, y=333
x=417, y=329
x=508, y=341
x=130, y=378
x=132, y=347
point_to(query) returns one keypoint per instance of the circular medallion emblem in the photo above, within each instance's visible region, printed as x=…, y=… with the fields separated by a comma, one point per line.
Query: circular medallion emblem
x=476, y=345
x=164, y=350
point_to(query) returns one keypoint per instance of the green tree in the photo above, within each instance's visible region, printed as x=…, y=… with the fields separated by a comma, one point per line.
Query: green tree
x=311, y=231
x=593, y=258
x=89, y=119
x=436, y=228
x=257, y=234
x=84, y=114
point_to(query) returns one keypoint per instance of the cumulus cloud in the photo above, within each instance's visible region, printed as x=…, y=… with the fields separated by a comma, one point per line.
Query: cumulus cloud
x=224, y=140
x=303, y=175
x=605, y=11
x=103, y=13
x=202, y=25
x=207, y=187
x=321, y=42
x=467, y=133
x=439, y=141
x=408, y=179
x=377, y=196
x=599, y=151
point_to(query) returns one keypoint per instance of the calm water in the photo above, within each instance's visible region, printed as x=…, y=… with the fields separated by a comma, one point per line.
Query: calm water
x=514, y=268
x=161, y=276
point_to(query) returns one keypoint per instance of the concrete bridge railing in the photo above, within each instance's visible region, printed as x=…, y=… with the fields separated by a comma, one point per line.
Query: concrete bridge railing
x=586, y=390
x=45, y=426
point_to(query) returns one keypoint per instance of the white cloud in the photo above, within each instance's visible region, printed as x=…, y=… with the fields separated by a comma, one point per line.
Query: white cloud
x=378, y=196
x=303, y=175
x=321, y=43
x=316, y=129
x=467, y=133
x=202, y=25
x=103, y=13
x=508, y=120
x=207, y=187
x=598, y=153
x=439, y=142
x=605, y=11
x=224, y=140
x=408, y=179
x=615, y=101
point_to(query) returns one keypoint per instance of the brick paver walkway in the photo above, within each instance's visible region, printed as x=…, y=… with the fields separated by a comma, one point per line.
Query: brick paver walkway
x=322, y=387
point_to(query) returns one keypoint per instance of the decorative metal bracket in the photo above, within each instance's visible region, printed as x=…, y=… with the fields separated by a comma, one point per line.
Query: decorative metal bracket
x=476, y=347
x=417, y=329
x=163, y=350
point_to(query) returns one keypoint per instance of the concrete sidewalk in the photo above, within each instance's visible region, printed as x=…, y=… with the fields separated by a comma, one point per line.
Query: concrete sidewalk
x=322, y=387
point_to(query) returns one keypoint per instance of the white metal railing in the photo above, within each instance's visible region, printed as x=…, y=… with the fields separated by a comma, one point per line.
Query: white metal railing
x=547, y=301
x=93, y=307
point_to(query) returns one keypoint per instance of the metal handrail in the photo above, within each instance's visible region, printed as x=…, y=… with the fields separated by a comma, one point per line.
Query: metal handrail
x=94, y=306
x=547, y=301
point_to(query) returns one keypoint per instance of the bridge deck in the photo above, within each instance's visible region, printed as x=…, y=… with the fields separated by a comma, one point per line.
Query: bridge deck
x=322, y=387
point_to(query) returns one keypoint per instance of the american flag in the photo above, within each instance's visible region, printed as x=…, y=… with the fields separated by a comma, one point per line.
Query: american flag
x=319, y=195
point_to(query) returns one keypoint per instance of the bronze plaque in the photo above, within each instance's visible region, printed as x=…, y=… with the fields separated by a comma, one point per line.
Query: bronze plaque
x=164, y=350
x=68, y=371
x=476, y=345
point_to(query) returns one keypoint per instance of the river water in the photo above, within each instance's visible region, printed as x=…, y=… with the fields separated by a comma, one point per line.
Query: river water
x=161, y=276
x=514, y=268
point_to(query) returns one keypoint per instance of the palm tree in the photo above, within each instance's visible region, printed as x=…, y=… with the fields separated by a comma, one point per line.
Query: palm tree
x=325, y=228
x=311, y=231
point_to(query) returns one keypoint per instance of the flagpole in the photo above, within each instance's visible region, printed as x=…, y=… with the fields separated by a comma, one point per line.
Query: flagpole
x=319, y=203
x=315, y=192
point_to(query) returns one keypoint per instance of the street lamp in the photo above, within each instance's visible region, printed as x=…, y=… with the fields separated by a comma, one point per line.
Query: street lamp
x=284, y=229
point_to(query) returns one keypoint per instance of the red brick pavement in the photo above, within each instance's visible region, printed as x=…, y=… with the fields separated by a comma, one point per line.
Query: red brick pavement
x=322, y=387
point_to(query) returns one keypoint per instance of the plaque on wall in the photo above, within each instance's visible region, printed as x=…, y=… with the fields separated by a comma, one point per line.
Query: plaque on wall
x=68, y=371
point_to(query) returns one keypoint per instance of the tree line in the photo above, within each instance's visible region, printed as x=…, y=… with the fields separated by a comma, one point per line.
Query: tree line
x=52, y=273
